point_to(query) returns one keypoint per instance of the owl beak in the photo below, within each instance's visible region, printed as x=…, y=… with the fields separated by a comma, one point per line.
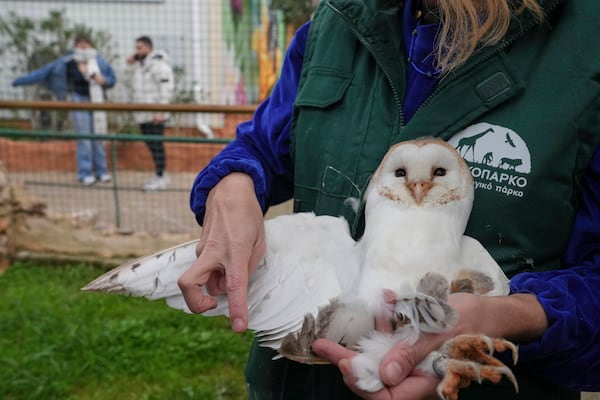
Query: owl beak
x=419, y=189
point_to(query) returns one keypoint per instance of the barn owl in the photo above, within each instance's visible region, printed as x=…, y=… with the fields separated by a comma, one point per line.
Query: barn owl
x=316, y=281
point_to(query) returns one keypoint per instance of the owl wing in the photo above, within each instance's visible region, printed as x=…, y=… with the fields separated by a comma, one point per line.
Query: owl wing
x=308, y=261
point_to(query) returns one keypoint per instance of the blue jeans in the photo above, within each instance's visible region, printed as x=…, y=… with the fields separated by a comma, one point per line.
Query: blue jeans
x=91, y=154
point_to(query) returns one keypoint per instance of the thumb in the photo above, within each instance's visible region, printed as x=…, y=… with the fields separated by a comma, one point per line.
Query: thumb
x=403, y=358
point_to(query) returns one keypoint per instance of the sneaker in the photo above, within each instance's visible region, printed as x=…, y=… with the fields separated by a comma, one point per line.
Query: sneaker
x=157, y=183
x=104, y=178
x=88, y=180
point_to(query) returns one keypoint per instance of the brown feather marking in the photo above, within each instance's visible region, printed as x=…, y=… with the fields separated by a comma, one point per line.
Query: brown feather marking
x=471, y=281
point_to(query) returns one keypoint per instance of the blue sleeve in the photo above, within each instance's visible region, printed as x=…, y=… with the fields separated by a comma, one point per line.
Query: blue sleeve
x=107, y=73
x=568, y=354
x=261, y=148
x=39, y=75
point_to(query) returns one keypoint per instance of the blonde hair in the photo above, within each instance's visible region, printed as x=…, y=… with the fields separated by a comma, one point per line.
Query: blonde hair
x=467, y=24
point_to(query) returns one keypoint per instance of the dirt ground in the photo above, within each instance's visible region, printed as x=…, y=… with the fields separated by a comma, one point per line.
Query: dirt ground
x=127, y=208
x=106, y=223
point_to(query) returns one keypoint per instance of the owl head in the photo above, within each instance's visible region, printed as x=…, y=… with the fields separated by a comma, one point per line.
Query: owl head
x=422, y=173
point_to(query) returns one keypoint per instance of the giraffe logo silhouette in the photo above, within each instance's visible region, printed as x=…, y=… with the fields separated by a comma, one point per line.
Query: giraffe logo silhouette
x=493, y=146
x=469, y=142
x=498, y=157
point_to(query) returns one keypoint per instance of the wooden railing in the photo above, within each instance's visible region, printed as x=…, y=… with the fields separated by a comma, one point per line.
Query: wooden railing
x=108, y=106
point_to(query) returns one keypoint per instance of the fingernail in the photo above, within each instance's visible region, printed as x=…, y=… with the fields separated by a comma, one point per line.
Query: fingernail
x=238, y=325
x=393, y=373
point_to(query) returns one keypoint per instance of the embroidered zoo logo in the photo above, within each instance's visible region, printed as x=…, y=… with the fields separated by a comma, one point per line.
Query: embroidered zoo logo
x=498, y=157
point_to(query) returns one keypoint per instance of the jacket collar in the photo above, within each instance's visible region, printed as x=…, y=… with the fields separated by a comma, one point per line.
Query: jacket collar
x=372, y=16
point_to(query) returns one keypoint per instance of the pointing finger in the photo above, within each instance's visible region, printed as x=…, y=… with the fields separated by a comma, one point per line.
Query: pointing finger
x=236, y=282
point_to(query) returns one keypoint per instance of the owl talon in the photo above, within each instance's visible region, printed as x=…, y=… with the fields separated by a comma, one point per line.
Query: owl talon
x=468, y=358
x=478, y=348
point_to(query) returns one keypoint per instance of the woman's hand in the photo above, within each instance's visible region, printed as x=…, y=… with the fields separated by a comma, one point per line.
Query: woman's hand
x=518, y=317
x=230, y=247
x=99, y=79
x=399, y=385
x=397, y=368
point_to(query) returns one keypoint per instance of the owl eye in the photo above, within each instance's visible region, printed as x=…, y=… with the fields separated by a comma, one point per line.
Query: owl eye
x=400, y=172
x=439, y=172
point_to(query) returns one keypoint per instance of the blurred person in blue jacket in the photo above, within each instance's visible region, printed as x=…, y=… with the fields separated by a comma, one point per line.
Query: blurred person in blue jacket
x=83, y=75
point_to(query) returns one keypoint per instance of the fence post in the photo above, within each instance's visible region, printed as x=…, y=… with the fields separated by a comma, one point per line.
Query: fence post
x=115, y=185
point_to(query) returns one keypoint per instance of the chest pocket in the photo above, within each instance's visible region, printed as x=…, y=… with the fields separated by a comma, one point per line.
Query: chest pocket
x=332, y=153
x=323, y=87
x=316, y=145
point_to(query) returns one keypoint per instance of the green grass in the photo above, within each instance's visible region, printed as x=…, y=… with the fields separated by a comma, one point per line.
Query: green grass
x=57, y=342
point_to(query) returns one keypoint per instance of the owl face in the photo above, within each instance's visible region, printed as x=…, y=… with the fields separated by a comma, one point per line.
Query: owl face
x=423, y=173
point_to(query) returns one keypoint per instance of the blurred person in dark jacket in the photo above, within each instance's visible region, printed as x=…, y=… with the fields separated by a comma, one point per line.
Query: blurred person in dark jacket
x=153, y=82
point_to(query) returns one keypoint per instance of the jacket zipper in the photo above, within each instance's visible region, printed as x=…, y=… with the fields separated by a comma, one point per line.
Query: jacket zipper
x=375, y=56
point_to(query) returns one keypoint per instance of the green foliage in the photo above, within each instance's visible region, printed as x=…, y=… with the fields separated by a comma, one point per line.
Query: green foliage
x=60, y=343
x=296, y=12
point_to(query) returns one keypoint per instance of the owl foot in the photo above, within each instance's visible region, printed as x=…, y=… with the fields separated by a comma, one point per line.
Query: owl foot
x=468, y=358
x=297, y=346
x=341, y=321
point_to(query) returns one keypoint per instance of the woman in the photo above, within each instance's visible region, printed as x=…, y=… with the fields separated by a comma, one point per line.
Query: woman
x=513, y=85
x=84, y=75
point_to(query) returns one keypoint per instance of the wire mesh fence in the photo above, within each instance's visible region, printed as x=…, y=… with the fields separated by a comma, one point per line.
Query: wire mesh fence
x=223, y=51
x=44, y=163
x=220, y=53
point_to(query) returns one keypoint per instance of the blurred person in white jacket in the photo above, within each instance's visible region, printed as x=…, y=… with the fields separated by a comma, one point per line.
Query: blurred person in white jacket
x=153, y=82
